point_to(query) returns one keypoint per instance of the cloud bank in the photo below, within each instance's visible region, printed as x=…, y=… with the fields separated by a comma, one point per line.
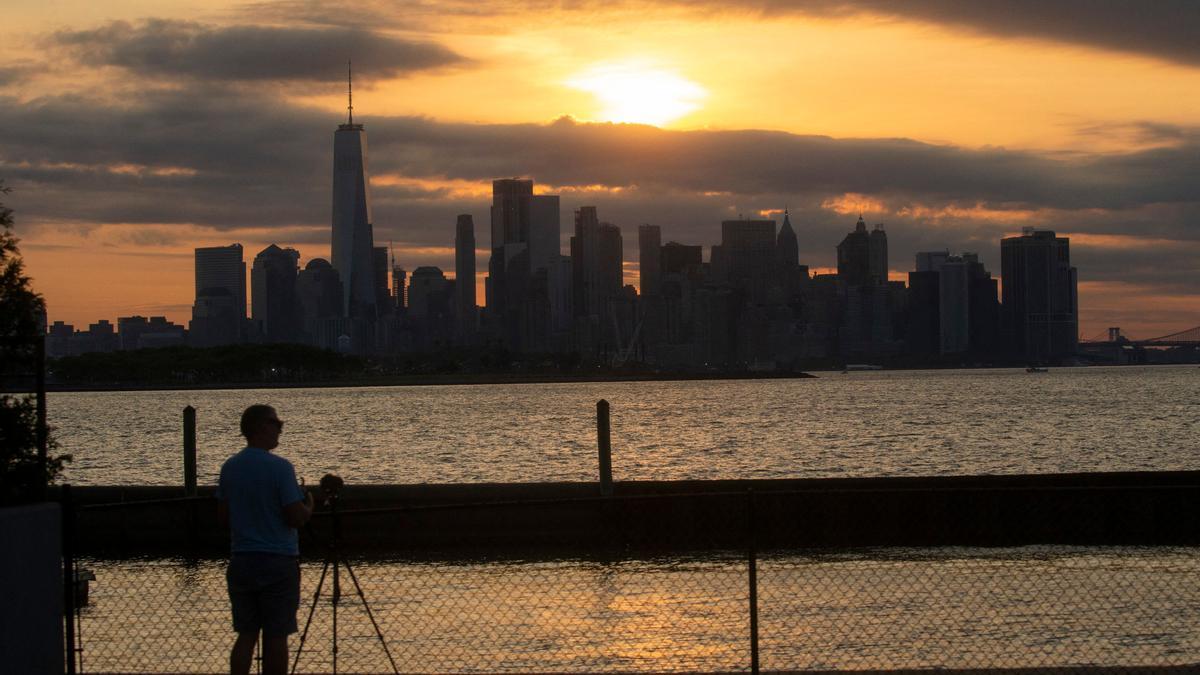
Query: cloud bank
x=173, y=49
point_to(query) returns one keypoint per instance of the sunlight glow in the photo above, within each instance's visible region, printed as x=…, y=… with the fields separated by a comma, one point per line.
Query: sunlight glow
x=635, y=91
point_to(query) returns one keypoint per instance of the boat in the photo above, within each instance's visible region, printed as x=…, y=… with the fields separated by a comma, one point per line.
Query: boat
x=1035, y=369
x=861, y=366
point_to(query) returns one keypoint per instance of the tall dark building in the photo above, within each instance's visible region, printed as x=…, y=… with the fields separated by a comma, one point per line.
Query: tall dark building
x=650, y=259
x=511, y=203
x=353, y=238
x=862, y=257
x=787, y=248
x=681, y=259
x=383, y=289
x=985, y=308
x=219, y=311
x=464, y=275
x=854, y=256
x=596, y=261
x=273, y=301
x=524, y=272
x=878, y=250
x=1040, y=304
x=320, y=296
x=222, y=267
x=746, y=255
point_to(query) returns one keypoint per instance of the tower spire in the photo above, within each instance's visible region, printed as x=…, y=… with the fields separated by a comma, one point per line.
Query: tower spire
x=350, y=91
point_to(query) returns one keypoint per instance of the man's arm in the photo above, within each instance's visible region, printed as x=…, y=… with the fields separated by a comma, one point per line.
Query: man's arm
x=297, y=514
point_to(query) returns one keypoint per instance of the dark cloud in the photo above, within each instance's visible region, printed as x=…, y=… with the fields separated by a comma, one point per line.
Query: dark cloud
x=175, y=49
x=214, y=157
x=1165, y=29
x=15, y=74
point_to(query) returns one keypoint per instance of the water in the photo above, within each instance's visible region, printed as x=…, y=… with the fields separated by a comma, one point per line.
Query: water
x=859, y=424
x=955, y=608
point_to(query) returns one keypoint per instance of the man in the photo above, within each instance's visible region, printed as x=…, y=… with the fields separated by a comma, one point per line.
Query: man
x=258, y=498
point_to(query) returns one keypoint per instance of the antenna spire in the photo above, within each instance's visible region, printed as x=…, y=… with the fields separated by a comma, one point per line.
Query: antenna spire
x=350, y=91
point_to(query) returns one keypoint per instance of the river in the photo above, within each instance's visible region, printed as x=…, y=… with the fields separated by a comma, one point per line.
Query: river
x=888, y=423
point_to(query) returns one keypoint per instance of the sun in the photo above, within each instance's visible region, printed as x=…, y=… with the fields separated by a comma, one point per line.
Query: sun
x=635, y=91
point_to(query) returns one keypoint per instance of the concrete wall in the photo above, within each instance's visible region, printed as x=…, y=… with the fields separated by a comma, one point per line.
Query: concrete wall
x=31, y=625
x=1157, y=508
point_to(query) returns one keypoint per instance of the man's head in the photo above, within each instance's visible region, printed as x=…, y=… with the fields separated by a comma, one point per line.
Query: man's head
x=261, y=426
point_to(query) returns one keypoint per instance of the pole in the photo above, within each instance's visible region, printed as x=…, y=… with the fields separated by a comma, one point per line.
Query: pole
x=189, y=451
x=752, y=564
x=42, y=432
x=605, y=442
x=68, y=555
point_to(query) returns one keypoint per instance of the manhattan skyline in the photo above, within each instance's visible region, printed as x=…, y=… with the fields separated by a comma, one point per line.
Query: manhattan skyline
x=131, y=138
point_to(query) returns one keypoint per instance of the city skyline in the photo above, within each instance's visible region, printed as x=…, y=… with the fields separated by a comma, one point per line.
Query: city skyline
x=132, y=138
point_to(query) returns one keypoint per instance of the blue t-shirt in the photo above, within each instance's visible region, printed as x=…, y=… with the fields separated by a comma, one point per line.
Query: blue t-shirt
x=256, y=485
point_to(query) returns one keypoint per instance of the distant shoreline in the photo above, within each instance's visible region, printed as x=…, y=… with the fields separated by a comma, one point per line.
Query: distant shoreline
x=436, y=380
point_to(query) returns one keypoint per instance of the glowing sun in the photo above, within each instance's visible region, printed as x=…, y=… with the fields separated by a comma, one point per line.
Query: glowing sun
x=633, y=91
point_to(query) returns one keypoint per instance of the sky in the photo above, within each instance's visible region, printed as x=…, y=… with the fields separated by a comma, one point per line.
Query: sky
x=133, y=131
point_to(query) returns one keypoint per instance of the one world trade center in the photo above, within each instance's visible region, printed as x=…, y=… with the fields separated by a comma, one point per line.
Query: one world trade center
x=353, y=240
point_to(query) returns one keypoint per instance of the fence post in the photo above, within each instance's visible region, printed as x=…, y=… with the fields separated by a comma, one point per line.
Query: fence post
x=42, y=432
x=752, y=567
x=68, y=554
x=189, y=451
x=603, y=439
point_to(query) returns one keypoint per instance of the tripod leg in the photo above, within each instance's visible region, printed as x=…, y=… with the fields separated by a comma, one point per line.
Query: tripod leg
x=337, y=598
x=370, y=615
x=308, y=622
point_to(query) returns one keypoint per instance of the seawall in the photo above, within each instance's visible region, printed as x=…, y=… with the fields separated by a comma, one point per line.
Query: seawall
x=1143, y=508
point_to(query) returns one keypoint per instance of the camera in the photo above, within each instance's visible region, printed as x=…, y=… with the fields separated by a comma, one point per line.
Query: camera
x=331, y=485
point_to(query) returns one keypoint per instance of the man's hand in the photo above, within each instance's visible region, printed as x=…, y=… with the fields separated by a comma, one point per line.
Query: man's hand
x=297, y=514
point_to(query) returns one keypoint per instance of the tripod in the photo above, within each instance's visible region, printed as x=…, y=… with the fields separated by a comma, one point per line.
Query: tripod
x=333, y=559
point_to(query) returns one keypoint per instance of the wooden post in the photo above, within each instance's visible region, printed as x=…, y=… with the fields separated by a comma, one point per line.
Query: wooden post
x=604, y=441
x=189, y=451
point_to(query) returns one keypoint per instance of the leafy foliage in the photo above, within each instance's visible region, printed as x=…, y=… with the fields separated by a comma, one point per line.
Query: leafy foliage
x=21, y=314
x=280, y=363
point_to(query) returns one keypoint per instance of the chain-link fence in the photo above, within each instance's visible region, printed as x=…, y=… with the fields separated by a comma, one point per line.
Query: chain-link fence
x=713, y=582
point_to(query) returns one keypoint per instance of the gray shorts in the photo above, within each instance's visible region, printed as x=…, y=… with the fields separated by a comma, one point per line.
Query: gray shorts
x=264, y=592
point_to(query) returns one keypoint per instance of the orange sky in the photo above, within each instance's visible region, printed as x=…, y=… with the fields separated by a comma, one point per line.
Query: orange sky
x=888, y=81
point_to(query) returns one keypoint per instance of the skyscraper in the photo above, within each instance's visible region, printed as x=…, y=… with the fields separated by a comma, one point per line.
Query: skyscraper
x=854, y=256
x=544, y=232
x=464, y=275
x=878, y=249
x=319, y=294
x=650, y=259
x=383, y=289
x=1040, y=300
x=786, y=246
x=222, y=267
x=353, y=240
x=747, y=253
x=219, y=310
x=596, y=257
x=273, y=302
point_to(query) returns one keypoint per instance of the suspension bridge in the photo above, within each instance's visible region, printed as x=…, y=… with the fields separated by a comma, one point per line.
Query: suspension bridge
x=1183, y=338
x=1114, y=346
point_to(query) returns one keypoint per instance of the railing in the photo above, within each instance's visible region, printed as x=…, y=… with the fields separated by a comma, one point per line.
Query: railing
x=714, y=582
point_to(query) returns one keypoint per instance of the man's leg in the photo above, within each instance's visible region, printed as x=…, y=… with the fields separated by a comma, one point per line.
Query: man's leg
x=242, y=653
x=275, y=654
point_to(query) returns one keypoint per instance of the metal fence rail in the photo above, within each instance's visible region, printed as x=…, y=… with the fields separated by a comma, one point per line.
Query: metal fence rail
x=726, y=593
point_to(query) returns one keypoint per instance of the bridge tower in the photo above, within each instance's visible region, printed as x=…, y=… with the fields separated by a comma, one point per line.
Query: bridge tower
x=1114, y=334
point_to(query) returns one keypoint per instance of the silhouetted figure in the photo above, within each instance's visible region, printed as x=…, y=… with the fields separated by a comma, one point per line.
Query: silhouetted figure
x=259, y=499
